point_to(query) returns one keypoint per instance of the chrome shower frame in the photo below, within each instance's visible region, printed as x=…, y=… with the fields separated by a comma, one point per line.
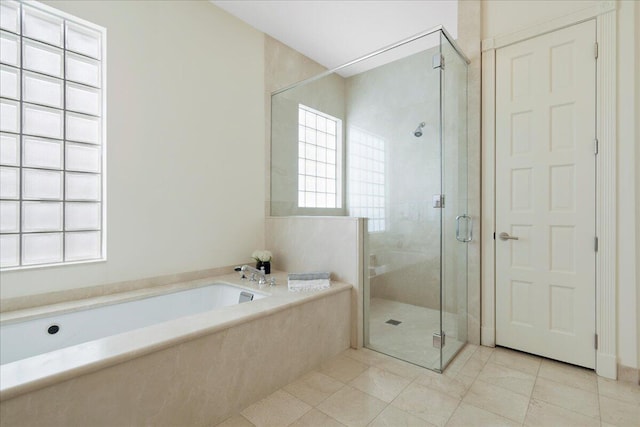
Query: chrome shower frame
x=413, y=38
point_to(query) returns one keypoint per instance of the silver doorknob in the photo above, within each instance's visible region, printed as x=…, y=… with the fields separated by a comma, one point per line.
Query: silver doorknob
x=505, y=236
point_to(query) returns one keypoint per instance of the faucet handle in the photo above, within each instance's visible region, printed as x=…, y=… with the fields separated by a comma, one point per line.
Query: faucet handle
x=241, y=271
x=272, y=281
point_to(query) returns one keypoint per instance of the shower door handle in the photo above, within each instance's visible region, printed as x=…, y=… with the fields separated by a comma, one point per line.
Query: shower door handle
x=469, y=237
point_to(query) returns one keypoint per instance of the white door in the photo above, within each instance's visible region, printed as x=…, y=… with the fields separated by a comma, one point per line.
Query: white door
x=545, y=195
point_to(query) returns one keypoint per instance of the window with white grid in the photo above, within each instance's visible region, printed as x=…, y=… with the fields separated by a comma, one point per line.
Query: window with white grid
x=52, y=147
x=366, y=178
x=319, y=159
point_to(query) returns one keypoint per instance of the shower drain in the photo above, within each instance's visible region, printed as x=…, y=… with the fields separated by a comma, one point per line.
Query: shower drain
x=393, y=322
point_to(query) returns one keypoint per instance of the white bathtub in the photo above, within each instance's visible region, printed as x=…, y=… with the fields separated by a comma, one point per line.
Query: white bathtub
x=67, y=329
x=197, y=369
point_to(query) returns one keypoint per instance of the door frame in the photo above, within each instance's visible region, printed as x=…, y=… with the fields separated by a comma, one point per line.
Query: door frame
x=604, y=12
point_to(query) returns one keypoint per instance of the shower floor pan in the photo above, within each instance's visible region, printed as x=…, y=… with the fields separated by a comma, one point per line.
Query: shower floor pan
x=411, y=339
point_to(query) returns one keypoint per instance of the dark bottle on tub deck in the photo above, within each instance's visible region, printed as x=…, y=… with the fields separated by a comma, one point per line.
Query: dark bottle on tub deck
x=266, y=265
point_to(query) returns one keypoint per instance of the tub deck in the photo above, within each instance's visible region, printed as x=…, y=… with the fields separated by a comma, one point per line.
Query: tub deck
x=24, y=376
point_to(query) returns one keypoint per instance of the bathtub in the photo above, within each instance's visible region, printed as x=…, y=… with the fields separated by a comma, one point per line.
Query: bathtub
x=196, y=369
x=65, y=329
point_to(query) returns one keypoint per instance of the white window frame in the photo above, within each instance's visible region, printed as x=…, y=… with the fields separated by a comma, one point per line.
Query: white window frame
x=68, y=23
x=303, y=173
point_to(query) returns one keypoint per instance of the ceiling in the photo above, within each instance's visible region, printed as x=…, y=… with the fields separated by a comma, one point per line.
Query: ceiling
x=335, y=32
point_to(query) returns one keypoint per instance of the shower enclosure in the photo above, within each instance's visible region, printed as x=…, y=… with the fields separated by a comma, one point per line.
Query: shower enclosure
x=384, y=137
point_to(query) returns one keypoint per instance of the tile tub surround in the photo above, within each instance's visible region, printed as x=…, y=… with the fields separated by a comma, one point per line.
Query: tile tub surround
x=180, y=372
x=313, y=243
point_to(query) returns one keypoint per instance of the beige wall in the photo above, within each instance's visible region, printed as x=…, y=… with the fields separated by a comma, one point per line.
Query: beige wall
x=185, y=146
x=501, y=17
x=505, y=17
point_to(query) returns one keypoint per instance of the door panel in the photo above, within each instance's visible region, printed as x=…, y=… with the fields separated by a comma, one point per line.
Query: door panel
x=545, y=195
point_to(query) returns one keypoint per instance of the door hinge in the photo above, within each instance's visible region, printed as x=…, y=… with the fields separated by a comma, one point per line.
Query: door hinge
x=595, y=50
x=595, y=341
x=437, y=61
x=595, y=244
x=438, y=201
x=438, y=339
x=596, y=144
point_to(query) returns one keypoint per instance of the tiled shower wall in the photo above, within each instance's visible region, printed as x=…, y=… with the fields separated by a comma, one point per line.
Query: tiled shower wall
x=389, y=101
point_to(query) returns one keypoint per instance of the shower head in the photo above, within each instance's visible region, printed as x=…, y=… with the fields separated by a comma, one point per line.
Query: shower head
x=418, y=132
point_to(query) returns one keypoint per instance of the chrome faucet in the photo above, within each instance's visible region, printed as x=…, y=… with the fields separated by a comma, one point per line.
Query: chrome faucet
x=254, y=271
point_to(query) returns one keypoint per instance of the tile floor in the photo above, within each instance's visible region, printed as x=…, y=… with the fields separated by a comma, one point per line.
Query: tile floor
x=411, y=340
x=481, y=387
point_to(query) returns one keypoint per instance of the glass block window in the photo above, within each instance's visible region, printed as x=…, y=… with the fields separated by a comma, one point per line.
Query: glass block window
x=52, y=146
x=319, y=159
x=366, y=178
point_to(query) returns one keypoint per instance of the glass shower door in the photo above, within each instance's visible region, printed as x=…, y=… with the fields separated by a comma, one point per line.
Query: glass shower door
x=456, y=223
x=407, y=173
x=402, y=123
